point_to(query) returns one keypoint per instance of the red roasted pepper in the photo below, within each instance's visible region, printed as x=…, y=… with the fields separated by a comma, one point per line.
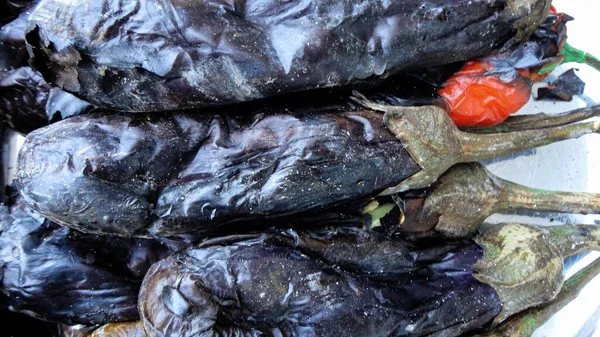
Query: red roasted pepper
x=476, y=96
x=484, y=92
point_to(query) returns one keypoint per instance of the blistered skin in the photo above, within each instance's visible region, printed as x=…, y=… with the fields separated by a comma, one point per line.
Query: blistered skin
x=149, y=55
x=254, y=288
x=57, y=274
x=182, y=173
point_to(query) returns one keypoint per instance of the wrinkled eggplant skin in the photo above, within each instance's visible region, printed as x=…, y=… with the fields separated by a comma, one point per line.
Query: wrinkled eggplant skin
x=57, y=274
x=259, y=288
x=182, y=173
x=174, y=50
x=27, y=101
x=23, y=97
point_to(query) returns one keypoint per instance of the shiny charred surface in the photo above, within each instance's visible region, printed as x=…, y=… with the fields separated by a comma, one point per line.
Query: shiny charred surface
x=258, y=287
x=180, y=173
x=172, y=51
x=57, y=274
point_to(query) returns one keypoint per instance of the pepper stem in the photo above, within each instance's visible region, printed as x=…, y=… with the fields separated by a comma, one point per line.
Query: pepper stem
x=572, y=54
x=525, y=323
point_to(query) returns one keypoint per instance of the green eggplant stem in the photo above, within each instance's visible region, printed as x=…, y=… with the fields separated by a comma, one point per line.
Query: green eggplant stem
x=518, y=197
x=538, y=121
x=479, y=147
x=570, y=240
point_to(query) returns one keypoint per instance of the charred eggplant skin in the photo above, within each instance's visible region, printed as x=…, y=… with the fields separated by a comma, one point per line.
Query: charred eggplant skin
x=57, y=274
x=27, y=101
x=174, y=51
x=254, y=288
x=181, y=173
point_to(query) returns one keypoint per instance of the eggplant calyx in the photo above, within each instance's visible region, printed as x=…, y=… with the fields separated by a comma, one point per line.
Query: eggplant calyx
x=520, y=265
x=525, y=323
x=524, y=264
x=468, y=193
x=535, y=13
x=435, y=143
x=428, y=134
x=463, y=198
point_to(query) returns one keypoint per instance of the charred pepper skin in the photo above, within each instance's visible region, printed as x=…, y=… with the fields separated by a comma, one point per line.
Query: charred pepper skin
x=181, y=173
x=192, y=53
x=254, y=288
x=57, y=274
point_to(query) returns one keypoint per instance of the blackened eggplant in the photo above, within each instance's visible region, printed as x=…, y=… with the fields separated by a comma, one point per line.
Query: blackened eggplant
x=188, y=172
x=27, y=102
x=182, y=173
x=253, y=288
x=148, y=55
x=10, y=9
x=273, y=286
x=57, y=274
x=13, y=50
x=563, y=88
x=23, y=97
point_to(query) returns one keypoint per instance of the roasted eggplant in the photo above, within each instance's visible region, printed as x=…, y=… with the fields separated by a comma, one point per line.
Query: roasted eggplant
x=57, y=274
x=270, y=286
x=183, y=173
x=147, y=55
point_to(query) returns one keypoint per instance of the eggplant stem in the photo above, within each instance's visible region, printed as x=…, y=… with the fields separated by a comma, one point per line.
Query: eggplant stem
x=487, y=146
x=538, y=121
x=518, y=197
x=467, y=194
x=436, y=144
x=525, y=323
x=571, y=240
